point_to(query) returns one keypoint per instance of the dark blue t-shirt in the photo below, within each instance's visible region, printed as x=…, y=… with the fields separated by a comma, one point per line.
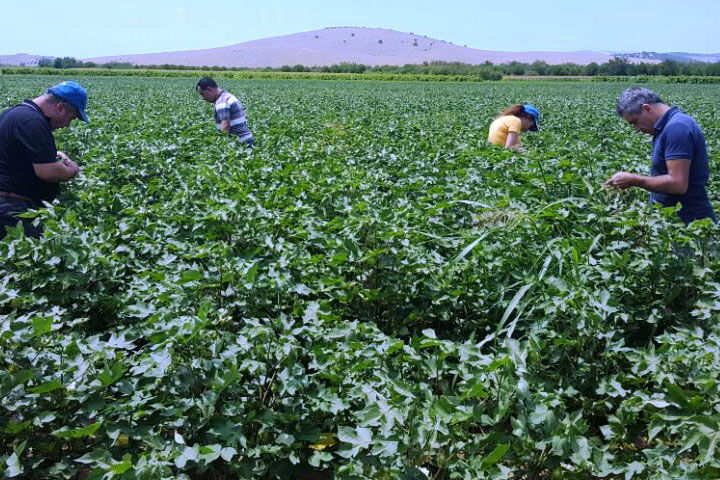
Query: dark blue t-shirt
x=25, y=139
x=678, y=136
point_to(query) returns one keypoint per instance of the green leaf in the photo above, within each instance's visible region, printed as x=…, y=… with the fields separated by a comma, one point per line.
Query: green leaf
x=494, y=457
x=580, y=450
x=14, y=467
x=15, y=428
x=539, y=415
x=111, y=374
x=476, y=391
x=358, y=437
x=228, y=453
x=429, y=332
x=285, y=439
x=384, y=448
x=471, y=246
x=512, y=306
x=709, y=454
x=634, y=468
x=190, y=276
x=189, y=454
x=677, y=395
x=21, y=377
x=82, y=432
x=319, y=457
x=42, y=325
x=47, y=387
x=122, y=467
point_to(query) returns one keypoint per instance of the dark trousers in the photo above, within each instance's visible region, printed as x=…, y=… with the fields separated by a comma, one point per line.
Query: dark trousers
x=9, y=209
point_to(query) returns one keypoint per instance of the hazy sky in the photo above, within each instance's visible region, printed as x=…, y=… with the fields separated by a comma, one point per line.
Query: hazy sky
x=88, y=28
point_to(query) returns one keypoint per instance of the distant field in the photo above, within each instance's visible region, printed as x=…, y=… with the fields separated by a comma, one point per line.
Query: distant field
x=405, y=77
x=373, y=293
x=241, y=75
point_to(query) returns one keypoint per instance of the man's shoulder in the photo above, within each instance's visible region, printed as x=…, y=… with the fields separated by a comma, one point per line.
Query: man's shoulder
x=225, y=97
x=24, y=111
x=681, y=133
x=230, y=98
x=24, y=115
x=681, y=120
x=17, y=111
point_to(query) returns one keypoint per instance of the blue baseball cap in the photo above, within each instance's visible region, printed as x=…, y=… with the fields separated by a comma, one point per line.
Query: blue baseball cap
x=535, y=113
x=73, y=94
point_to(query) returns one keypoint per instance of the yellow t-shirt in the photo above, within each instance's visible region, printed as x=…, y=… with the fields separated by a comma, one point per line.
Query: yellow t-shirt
x=501, y=127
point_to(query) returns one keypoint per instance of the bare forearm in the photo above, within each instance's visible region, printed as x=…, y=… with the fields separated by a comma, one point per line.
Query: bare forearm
x=56, y=172
x=661, y=184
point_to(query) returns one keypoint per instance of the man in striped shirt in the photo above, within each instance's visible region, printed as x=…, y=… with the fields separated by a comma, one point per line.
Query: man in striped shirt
x=229, y=112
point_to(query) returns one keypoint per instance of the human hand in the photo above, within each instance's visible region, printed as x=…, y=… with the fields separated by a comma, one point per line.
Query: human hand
x=63, y=156
x=621, y=181
x=72, y=166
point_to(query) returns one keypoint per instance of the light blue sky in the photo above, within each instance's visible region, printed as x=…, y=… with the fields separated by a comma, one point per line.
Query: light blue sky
x=87, y=28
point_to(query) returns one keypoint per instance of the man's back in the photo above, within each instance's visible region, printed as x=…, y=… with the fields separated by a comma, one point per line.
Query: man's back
x=679, y=137
x=25, y=139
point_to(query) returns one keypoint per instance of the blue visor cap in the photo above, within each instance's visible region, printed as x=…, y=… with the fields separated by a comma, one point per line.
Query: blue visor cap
x=535, y=113
x=73, y=94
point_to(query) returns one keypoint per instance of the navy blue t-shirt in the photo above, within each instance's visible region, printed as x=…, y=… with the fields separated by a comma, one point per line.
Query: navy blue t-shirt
x=678, y=136
x=25, y=139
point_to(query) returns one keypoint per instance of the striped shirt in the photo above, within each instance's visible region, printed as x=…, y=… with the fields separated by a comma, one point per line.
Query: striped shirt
x=228, y=107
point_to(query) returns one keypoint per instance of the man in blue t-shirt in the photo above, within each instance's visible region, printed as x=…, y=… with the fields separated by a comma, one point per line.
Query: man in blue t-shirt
x=679, y=170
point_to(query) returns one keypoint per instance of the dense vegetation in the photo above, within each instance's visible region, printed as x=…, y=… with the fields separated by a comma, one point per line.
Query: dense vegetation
x=248, y=74
x=617, y=66
x=372, y=293
x=335, y=77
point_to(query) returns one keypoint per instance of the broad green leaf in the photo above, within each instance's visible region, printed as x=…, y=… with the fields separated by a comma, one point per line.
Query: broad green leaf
x=47, y=387
x=494, y=457
x=77, y=432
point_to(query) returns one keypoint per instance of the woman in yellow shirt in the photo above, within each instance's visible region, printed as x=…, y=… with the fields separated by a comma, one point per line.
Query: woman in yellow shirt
x=505, y=130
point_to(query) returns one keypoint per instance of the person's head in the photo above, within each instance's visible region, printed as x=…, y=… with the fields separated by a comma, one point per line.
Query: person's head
x=641, y=108
x=64, y=103
x=208, y=89
x=528, y=115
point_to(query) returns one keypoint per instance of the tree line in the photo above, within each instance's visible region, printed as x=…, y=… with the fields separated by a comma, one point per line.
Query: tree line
x=617, y=66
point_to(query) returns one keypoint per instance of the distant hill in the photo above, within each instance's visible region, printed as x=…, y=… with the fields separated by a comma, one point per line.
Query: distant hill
x=675, y=56
x=21, y=60
x=369, y=46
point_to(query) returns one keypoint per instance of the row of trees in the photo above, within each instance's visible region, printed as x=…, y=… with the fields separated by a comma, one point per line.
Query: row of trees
x=617, y=66
x=72, y=62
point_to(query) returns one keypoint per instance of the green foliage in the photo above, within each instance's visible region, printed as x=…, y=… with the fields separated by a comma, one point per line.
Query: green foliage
x=616, y=66
x=372, y=293
x=286, y=73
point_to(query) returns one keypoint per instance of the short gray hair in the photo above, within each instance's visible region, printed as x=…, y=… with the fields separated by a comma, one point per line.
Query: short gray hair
x=632, y=99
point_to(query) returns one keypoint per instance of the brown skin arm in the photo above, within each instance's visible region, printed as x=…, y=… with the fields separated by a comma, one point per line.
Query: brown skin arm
x=675, y=182
x=225, y=125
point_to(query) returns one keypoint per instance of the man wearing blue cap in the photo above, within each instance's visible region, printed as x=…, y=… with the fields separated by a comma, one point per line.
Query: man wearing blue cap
x=30, y=165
